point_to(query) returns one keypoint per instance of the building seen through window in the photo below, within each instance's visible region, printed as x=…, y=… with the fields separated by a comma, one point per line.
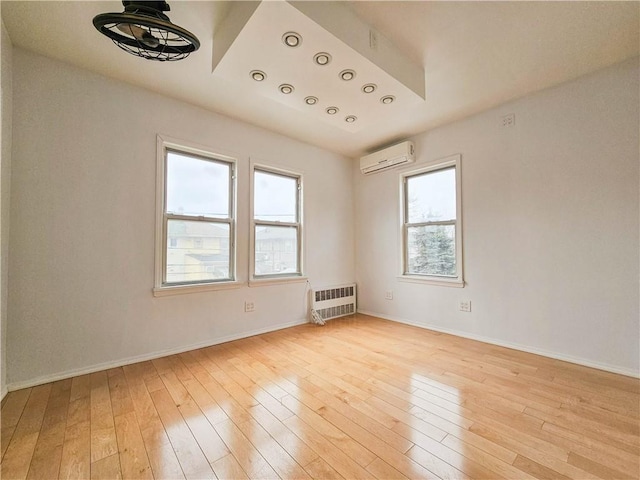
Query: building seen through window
x=198, y=219
x=276, y=223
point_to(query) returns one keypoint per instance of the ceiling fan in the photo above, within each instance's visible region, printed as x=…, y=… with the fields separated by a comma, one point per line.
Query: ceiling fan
x=145, y=31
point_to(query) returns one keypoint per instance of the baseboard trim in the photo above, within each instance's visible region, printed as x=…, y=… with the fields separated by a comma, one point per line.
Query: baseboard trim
x=143, y=358
x=515, y=346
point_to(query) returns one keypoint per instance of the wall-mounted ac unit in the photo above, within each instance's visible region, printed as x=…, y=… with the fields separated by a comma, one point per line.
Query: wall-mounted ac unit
x=393, y=156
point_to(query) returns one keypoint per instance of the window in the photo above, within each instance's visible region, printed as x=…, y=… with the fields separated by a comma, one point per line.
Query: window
x=432, y=229
x=196, y=222
x=276, y=224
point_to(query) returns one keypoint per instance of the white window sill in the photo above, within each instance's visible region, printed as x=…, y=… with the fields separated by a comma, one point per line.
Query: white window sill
x=196, y=288
x=432, y=280
x=260, y=282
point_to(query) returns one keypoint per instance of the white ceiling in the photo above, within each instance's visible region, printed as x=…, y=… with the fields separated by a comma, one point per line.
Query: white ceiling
x=384, y=68
x=476, y=55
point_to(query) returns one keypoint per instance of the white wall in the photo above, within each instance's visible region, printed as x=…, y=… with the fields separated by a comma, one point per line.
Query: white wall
x=550, y=210
x=5, y=188
x=82, y=238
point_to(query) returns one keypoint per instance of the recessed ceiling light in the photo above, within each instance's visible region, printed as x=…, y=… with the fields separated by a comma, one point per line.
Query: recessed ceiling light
x=369, y=88
x=258, y=75
x=311, y=100
x=286, y=88
x=347, y=75
x=387, y=99
x=350, y=119
x=292, y=39
x=332, y=110
x=322, y=58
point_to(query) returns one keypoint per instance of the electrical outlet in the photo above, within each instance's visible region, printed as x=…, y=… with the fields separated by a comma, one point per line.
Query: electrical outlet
x=465, y=305
x=389, y=295
x=509, y=120
x=249, y=307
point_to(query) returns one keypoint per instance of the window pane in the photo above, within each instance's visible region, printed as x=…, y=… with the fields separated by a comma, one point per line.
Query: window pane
x=196, y=186
x=275, y=197
x=431, y=250
x=197, y=251
x=431, y=197
x=276, y=250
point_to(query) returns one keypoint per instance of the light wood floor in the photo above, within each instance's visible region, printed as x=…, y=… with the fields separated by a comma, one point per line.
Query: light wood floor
x=358, y=398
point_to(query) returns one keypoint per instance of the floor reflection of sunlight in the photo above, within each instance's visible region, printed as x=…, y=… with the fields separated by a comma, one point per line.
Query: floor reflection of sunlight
x=435, y=402
x=433, y=386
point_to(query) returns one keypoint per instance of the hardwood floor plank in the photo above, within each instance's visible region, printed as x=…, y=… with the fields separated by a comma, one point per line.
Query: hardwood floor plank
x=492, y=463
x=154, y=384
x=321, y=470
x=381, y=469
x=535, y=469
x=401, y=462
x=402, y=421
x=464, y=440
x=121, y=403
x=34, y=410
x=79, y=410
x=435, y=453
x=13, y=405
x=210, y=443
x=512, y=439
x=534, y=450
x=103, y=433
x=6, y=433
x=436, y=465
x=285, y=437
x=277, y=457
x=80, y=387
x=12, y=408
x=133, y=455
x=15, y=464
x=107, y=468
x=203, y=399
x=192, y=460
x=162, y=458
x=228, y=468
x=47, y=456
x=341, y=440
x=596, y=414
x=588, y=427
x=339, y=401
x=588, y=465
x=17, y=459
x=228, y=404
x=250, y=459
x=343, y=463
x=45, y=462
x=75, y=462
x=594, y=449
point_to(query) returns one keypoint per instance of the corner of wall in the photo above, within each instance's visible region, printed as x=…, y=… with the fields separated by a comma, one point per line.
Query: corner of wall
x=6, y=103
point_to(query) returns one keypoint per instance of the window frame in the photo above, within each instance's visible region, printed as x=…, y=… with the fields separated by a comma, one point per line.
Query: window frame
x=452, y=161
x=268, y=279
x=161, y=287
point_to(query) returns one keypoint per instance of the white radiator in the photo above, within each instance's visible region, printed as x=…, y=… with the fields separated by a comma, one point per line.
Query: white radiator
x=332, y=302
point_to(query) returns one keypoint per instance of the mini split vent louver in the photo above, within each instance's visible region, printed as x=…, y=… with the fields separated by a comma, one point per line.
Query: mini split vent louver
x=333, y=302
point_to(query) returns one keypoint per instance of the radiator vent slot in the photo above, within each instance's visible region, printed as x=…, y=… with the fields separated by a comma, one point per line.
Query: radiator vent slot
x=333, y=302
